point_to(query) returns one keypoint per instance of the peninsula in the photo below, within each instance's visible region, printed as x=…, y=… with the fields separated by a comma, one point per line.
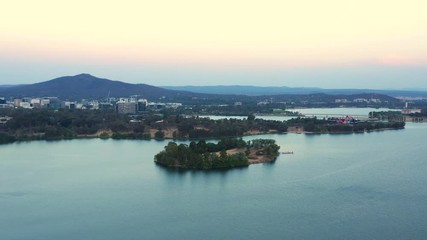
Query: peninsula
x=44, y=124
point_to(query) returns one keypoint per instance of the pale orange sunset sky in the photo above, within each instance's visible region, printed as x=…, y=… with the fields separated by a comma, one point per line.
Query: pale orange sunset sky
x=330, y=43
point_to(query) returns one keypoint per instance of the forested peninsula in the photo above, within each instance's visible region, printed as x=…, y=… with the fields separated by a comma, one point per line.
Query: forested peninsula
x=227, y=153
x=43, y=124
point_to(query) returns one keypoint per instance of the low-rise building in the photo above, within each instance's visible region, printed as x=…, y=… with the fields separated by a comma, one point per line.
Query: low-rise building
x=156, y=106
x=123, y=107
x=375, y=100
x=17, y=102
x=343, y=100
x=360, y=100
x=5, y=119
x=173, y=105
x=410, y=111
x=70, y=105
x=26, y=105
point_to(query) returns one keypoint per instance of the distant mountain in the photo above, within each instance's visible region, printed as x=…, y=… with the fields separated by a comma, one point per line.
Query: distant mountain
x=258, y=91
x=87, y=86
x=244, y=90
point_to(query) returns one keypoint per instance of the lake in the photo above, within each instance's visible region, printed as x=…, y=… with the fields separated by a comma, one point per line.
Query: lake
x=318, y=112
x=356, y=186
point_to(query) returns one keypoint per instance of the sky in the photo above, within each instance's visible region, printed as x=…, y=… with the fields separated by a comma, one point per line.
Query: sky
x=304, y=43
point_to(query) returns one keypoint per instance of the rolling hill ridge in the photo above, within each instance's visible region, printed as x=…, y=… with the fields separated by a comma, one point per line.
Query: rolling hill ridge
x=87, y=86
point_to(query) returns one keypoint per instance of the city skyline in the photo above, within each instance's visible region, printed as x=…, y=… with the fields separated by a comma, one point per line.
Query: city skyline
x=328, y=44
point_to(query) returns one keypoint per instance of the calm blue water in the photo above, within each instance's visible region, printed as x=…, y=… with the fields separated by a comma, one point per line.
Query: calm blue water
x=343, y=111
x=358, y=186
x=319, y=112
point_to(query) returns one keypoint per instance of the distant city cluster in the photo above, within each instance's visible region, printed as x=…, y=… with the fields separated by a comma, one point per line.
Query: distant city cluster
x=124, y=105
x=358, y=100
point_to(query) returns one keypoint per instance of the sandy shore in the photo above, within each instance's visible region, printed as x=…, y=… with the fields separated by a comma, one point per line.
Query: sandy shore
x=253, y=158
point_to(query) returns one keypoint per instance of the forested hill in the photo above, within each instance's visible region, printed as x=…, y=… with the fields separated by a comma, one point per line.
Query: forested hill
x=87, y=86
x=258, y=91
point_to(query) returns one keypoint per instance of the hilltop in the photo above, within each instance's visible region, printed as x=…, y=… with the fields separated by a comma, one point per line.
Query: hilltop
x=86, y=86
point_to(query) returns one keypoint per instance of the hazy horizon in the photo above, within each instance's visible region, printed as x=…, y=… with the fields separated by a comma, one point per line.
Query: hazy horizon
x=327, y=44
x=220, y=85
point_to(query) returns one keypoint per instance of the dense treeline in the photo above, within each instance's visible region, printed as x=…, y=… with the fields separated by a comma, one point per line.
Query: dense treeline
x=66, y=124
x=204, y=156
x=50, y=124
x=316, y=125
x=198, y=127
x=396, y=116
x=6, y=138
x=265, y=147
x=392, y=116
x=245, y=109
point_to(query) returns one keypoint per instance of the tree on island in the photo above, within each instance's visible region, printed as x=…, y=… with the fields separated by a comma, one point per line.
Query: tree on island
x=159, y=134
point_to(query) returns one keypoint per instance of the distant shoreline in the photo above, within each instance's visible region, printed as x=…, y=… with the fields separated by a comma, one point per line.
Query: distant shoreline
x=97, y=136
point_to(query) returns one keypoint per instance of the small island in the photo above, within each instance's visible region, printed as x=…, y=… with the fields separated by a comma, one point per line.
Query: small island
x=227, y=153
